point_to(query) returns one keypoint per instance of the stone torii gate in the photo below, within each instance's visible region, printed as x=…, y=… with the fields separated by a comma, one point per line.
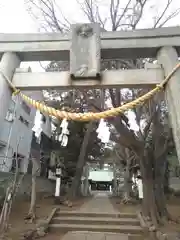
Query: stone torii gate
x=84, y=47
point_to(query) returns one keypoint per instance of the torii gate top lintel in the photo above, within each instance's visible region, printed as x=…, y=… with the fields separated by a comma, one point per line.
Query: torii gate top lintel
x=125, y=44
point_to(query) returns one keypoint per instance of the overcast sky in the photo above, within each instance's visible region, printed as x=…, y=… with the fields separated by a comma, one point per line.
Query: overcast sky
x=14, y=17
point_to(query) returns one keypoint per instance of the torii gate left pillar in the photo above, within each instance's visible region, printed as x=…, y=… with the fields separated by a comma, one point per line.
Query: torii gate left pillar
x=9, y=63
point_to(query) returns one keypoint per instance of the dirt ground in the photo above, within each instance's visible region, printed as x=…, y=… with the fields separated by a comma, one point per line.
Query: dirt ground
x=124, y=208
x=173, y=205
x=17, y=224
x=44, y=207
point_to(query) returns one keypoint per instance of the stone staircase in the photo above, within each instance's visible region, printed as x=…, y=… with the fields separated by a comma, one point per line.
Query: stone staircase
x=122, y=223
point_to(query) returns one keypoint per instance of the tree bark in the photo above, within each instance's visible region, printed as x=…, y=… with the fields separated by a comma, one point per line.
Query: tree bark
x=160, y=172
x=166, y=178
x=115, y=186
x=154, y=204
x=32, y=210
x=127, y=186
x=127, y=179
x=75, y=187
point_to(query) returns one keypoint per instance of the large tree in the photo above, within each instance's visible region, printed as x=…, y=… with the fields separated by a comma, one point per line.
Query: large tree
x=83, y=144
x=150, y=143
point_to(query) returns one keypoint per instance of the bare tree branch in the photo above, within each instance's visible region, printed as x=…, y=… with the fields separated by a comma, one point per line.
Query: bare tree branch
x=163, y=13
x=117, y=22
x=46, y=9
x=171, y=16
x=88, y=9
x=139, y=12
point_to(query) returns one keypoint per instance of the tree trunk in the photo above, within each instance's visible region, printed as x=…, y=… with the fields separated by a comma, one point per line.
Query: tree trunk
x=115, y=185
x=160, y=172
x=86, y=181
x=166, y=178
x=75, y=187
x=127, y=188
x=32, y=210
x=149, y=201
x=127, y=181
x=154, y=204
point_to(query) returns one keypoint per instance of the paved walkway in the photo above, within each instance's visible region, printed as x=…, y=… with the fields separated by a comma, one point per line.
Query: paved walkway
x=99, y=204
x=94, y=236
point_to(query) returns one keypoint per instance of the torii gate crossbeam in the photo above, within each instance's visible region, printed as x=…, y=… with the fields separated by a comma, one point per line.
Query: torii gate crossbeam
x=140, y=43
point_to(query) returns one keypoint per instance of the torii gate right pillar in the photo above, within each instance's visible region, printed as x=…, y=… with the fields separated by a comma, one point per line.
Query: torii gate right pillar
x=168, y=58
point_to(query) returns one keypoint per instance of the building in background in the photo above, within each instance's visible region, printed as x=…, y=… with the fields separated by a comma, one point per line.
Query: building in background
x=101, y=179
x=16, y=133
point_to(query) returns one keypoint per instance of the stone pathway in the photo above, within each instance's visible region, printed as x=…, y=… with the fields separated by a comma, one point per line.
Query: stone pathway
x=94, y=236
x=100, y=204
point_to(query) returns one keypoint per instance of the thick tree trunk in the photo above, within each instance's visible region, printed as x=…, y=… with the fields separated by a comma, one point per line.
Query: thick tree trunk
x=32, y=210
x=115, y=185
x=75, y=187
x=127, y=188
x=154, y=203
x=85, y=190
x=160, y=173
x=127, y=181
x=166, y=178
x=149, y=201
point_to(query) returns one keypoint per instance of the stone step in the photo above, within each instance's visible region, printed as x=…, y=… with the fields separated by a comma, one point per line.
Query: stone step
x=96, y=214
x=95, y=220
x=96, y=228
x=85, y=235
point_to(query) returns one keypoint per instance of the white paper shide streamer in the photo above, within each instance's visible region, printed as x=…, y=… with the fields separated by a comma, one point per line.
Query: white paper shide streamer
x=37, y=129
x=103, y=132
x=63, y=137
